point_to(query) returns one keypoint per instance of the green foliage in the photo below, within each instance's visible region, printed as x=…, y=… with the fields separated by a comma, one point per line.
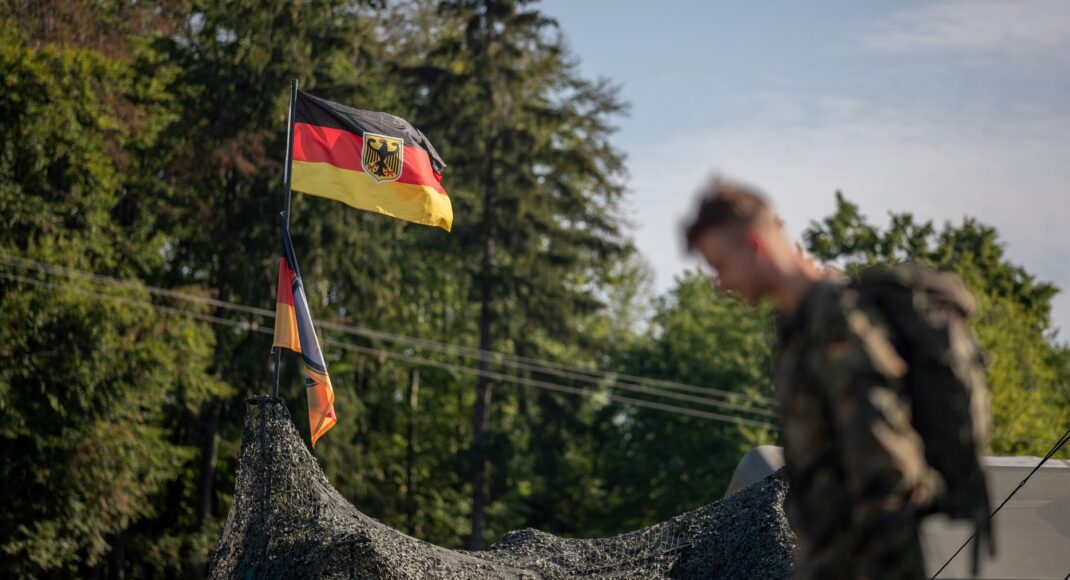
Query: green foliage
x=85, y=451
x=656, y=465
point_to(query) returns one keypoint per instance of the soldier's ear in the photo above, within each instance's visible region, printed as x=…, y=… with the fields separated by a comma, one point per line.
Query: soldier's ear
x=755, y=242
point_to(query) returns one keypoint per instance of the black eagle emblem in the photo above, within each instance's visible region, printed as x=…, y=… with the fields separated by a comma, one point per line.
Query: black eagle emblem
x=383, y=156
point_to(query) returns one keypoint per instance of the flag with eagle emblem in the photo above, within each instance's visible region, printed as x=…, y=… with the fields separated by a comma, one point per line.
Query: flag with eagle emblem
x=372, y=161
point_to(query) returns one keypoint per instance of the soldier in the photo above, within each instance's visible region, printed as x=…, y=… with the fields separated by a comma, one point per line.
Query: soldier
x=858, y=480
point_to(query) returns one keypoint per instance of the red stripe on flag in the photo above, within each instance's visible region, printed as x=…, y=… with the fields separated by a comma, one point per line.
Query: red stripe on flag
x=343, y=149
x=284, y=294
x=285, y=318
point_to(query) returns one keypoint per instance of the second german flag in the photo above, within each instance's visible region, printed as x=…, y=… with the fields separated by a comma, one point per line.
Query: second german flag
x=371, y=161
x=294, y=330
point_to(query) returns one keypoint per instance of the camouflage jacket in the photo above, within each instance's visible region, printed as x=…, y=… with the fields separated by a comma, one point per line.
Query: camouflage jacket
x=856, y=469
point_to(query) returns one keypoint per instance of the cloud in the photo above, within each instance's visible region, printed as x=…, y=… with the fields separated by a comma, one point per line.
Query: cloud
x=1005, y=26
x=1011, y=175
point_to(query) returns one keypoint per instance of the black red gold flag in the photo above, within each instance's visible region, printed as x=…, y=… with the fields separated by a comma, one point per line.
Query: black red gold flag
x=372, y=161
x=294, y=330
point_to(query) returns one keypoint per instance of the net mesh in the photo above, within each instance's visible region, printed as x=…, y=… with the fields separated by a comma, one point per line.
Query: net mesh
x=287, y=521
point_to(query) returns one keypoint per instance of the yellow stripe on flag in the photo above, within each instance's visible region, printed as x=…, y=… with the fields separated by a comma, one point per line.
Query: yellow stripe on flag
x=321, y=415
x=414, y=203
x=286, y=328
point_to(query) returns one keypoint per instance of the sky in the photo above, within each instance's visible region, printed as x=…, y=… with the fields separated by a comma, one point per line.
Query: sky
x=944, y=109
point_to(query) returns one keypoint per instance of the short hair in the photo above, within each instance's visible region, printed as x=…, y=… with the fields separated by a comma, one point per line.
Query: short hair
x=724, y=204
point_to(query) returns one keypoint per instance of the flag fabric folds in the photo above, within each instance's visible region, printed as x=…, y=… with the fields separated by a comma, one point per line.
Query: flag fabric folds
x=372, y=161
x=294, y=330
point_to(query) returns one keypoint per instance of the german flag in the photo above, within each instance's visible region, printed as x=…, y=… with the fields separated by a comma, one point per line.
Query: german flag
x=371, y=161
x=294, y=330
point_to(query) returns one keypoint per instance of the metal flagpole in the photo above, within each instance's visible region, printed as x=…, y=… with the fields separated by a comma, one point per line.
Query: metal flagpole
x=286, y=182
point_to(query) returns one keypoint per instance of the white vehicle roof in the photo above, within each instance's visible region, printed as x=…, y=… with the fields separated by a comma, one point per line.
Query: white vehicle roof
x=1032, y=531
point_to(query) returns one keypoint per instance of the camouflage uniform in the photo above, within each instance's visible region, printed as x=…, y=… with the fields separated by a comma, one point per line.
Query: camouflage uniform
x=857, y=475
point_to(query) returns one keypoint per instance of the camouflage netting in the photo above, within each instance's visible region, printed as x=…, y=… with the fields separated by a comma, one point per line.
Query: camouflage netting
x=288, y=522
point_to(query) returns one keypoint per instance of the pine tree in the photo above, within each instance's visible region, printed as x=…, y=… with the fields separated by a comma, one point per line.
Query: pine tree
x=536, y=185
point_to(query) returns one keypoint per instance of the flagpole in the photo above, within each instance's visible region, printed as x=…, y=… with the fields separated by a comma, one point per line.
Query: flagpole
x=287, y=176
x=287, y=184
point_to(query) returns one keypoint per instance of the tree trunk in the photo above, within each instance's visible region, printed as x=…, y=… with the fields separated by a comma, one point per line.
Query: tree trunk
x=116, y=569
x=410, y=478
x=480, y=412
x=209, y=455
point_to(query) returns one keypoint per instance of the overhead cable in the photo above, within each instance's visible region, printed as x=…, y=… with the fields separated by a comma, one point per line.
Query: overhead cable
x=245, y=325
x=616, y=380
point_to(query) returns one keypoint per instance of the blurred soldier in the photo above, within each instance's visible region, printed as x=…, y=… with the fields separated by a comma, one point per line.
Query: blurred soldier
x=858, y=475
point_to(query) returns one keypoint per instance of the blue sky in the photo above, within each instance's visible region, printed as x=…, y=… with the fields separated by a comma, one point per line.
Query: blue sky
x=946, y=109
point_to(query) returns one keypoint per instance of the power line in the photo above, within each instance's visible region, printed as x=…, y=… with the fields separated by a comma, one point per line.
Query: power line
x=556, y=387
x=409, y=358
x=1054, y=449
x=132, y=302
x=611, y=379
x=360, y=331
x=269, y=314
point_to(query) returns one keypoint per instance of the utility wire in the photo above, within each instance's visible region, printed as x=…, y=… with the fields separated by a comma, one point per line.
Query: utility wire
x=619, y=380
x=47, y=268
x=556, y=387
x=244, y=325
x=1054, y=449
x=610, y=384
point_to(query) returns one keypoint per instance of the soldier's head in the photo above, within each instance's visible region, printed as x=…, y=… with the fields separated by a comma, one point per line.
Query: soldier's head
x=739, y=235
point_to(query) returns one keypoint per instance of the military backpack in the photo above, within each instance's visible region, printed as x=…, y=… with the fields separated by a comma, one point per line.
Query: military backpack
x=927, y=312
